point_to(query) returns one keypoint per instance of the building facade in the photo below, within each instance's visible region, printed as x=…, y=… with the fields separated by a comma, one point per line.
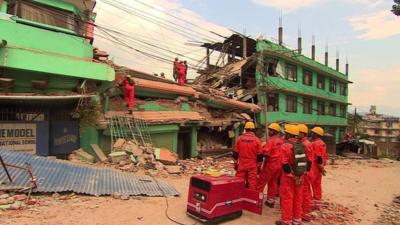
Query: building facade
x=47, y=72
x=383, y=129
x=298, y=89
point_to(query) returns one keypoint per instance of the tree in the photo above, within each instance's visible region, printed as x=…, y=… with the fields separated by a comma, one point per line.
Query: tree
x=396, y=8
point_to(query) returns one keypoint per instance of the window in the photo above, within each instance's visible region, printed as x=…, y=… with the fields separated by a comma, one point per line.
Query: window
x=342, y=111
x=343, y=89
x=291, y=103
x=273, y=102
x=307, y=106
x=270, y=67
x=320, y=82
x=376, y=131
x=307, y=77
x=332, y=85
x=44, y=14
x=321, y=108
x=342, y=133
x=291, y=72
x=332, y=109
x=389, y=132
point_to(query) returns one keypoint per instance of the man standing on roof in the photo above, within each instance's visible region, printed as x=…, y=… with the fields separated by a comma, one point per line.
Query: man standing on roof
x=294, y=166
x=321, y=159
x=271, y=169
x=247, y=156
x=181, y=73
x=175, y=70
x=308, y=176
x=129, y=92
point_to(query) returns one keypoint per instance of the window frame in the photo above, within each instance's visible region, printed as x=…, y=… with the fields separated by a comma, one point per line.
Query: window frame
x=307, y=72
x=319, y=77
x=342, y=111
x=310, y=110
x=342, y=89
x=332, y=85
x=319, y=112
x=276, y=105
x=332, y=113
x=293, y=99
x=287, y=72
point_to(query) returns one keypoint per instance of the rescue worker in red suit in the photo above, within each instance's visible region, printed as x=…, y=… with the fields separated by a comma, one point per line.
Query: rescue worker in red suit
x=181, y=73
x=272, y=168
x=175, y=72
x=291, y=186
x=321, y=158
x=129, y=92
x=309, y=176
x=247, y=155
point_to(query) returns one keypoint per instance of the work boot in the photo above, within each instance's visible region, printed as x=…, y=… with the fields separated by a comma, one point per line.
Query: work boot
x=278, y=222
x=130, y=112
x=269, y=204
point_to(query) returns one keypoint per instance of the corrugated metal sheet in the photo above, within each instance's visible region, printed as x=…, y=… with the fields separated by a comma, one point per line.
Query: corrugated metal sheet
x=59, y=176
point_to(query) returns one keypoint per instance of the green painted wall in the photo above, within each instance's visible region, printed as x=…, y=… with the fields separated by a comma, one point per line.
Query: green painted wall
x=165, y=136
x=3, y=7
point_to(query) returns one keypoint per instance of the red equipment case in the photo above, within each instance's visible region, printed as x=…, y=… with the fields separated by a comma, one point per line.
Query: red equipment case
x=215, y=199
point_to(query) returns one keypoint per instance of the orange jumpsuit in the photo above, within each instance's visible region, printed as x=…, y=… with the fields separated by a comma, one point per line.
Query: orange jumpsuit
x=319, y=148
x=248, y=148
x=272, y=168
x=308, y=180
x=291, y=193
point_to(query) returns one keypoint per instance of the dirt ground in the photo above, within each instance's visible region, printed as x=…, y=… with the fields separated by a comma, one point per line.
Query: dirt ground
x=364, y=186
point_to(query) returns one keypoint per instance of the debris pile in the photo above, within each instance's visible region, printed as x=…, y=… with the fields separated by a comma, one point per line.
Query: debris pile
x=390, y=213
x=13, y=201
x=197, y=166
x=332, y=213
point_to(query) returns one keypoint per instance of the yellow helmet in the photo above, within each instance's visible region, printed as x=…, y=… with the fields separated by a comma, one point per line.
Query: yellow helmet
x=249, y=125
x=275, y=127
x=318, y=130
x=303, y=128
x=292, y=129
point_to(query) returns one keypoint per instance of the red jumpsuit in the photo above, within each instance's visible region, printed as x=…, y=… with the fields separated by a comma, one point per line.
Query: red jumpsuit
x=319, y=148
x=291, y=193
x=308, y=180
x=181, y=74
x=129, y=94
x=272, y=168
x=248, y=146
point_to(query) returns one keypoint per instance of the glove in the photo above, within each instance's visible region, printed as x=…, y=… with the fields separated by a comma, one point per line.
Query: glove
x=322, y=169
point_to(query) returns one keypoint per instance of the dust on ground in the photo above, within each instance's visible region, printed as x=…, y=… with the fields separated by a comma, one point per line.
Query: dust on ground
x=361, y=191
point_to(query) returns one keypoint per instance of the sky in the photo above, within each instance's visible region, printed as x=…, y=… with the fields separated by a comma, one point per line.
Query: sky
x=364, y=32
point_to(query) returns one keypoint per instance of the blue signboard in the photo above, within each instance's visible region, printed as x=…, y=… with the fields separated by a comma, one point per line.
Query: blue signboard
x=64, y=137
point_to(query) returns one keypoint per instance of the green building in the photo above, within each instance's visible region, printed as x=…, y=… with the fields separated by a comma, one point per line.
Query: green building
x=299, y=89
x=287, y=85
x=47, y=72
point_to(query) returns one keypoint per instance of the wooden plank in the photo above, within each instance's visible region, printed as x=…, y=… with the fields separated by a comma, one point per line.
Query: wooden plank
x=99, y=153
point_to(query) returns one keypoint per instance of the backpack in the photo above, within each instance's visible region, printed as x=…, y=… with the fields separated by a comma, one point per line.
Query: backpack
x=300, y=158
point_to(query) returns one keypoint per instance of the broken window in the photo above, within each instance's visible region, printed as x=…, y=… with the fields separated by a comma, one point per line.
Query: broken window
x=291, y=72
x=321, y=108
x=332, y=85
x=320, y=82
x=342, y=110
x=291, y=103
x=270, y=67
x=307, y=77
x=43, y=14
x=273, y=102
x=332, y=109
x=307, y=105
x=343, y=89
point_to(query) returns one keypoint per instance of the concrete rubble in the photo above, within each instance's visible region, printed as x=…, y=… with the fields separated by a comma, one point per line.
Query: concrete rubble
x=390, y=213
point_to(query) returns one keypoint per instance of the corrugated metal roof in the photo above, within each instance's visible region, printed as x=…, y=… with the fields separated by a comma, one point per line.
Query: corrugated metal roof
x=62, y=176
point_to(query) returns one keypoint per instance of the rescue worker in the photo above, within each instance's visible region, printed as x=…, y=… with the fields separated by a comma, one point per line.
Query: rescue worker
x=247, y=156
x=308, y=177
x=129, y=92
x=320, y=160
x=175, y=70
x=291, y=182
x=271, y=169
x=181, y=73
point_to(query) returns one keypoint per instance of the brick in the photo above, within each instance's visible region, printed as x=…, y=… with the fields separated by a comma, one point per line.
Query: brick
x=119, y=143
x=84, y=155
x=173, y=169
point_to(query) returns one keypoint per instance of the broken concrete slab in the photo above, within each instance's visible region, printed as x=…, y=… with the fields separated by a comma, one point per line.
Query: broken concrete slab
x=116, y=157
x=165, y=156
x=119, y=143
x=99, y=152
x=84, y=155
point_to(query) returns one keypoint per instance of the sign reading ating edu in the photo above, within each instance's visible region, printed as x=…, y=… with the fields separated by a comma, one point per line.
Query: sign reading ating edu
x=18, y=136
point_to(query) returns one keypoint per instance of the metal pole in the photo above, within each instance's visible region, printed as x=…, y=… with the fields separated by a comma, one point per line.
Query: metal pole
x=265, y=115
x=5, y=169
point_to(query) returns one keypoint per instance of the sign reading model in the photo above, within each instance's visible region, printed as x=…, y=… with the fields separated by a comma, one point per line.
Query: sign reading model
x=18, y=136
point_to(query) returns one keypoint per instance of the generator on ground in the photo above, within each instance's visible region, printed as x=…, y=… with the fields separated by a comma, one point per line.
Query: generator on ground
x=216, y=199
